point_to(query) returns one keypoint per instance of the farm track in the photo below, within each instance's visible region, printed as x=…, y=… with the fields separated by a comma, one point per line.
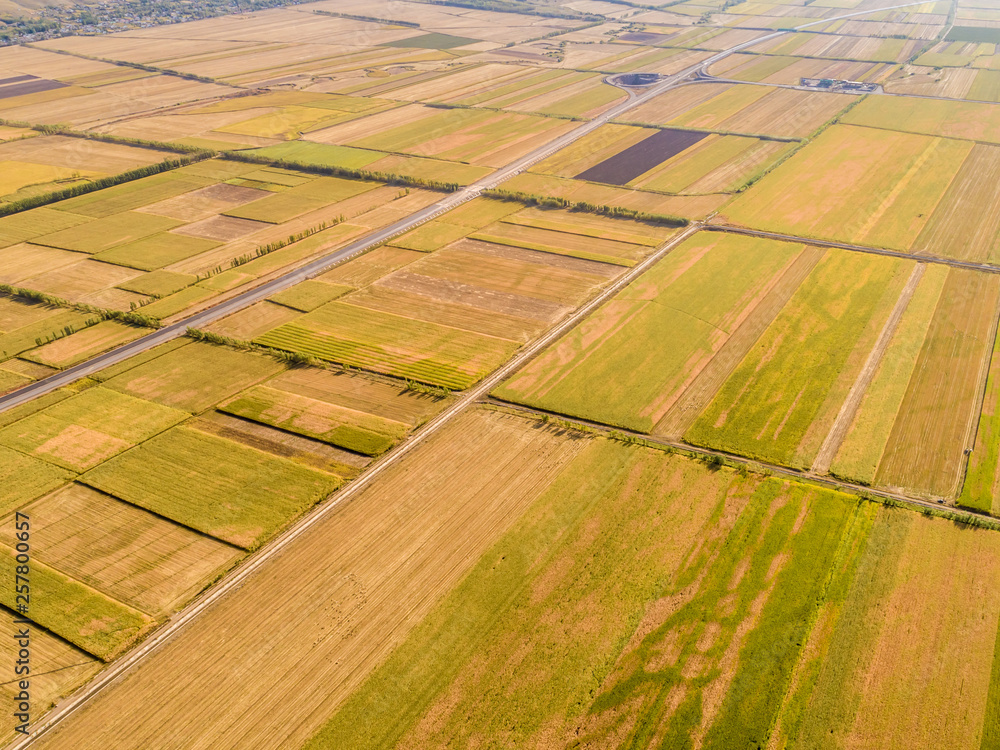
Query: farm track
x=919, y=257
x=852, y=403
x=753, y=464
x=255, y=562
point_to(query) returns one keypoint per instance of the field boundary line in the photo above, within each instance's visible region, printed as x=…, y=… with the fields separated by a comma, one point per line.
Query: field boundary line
x=755, y=465
x=920, y=258
x=253, y=562
x=972, y=432
x=849, y=409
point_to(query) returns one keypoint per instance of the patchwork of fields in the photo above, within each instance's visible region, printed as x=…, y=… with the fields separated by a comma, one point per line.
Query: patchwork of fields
x=772, y=609
x=686, y=521
x=167, y=244
x=817, y=359
x=131, y=514
x=450, y=301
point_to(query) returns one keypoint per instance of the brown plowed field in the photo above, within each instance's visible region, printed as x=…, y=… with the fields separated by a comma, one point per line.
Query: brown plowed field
x=375, y=568
x=926, y=445
x=648, y=153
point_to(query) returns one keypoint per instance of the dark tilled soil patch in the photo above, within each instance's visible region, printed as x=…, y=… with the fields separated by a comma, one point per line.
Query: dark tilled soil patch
x=17, y=79
x=626, y=165
x=29, y=87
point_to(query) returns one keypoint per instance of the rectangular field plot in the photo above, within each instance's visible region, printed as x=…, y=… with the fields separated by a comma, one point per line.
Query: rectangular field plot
x=48, y=163
x=919, y=602
x=126, y=553
x=408, y=348
x=480, y=137
x=105, y=233
x=969, y=120
x=653, y=150
x=924, y=451
x=872, y=186
x=91, y=341
x=192, y=376
x=25, y=478
x=223, y=489
x=781, y=401
x=88, y=428
x=738, y=108
x=627, y=364
x=450, y=317
x=329, y=422
x=685, y=161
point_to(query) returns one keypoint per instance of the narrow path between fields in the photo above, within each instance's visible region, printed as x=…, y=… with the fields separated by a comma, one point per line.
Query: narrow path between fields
x=849, y=409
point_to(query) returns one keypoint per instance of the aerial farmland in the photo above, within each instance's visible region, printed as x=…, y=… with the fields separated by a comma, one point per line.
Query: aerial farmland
x=500, y=374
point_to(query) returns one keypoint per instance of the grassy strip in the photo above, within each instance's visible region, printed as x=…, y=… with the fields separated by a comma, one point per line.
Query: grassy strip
x=330, y=171
x=134, y=65
x=981, y=472
x=615, y=212
x=370, y=19
x=129, y=318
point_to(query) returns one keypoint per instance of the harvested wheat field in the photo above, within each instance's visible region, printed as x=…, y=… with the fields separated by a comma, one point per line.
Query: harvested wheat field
x=734, y=638
x=439, y=512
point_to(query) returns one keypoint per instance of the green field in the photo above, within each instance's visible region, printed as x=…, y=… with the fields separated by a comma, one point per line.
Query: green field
x=860, y=453
x=224, y=489
x=951, y=119
x=53, y=324
x=96, y=623
x=130, y=195
x=329, y=422
x=103, y=234
x=854, y=184
x=979, y=490
x=300, y=199
x=192, y=377
x=472, y=136
x=159, y=283
x=431, y=236
x=88, y=428
x=156, y=251
x=617, y=366
x=24, y=478
x=309, y=294
x=433, y=40
x=407, y=348
x=776, y=404
x=556, y=635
